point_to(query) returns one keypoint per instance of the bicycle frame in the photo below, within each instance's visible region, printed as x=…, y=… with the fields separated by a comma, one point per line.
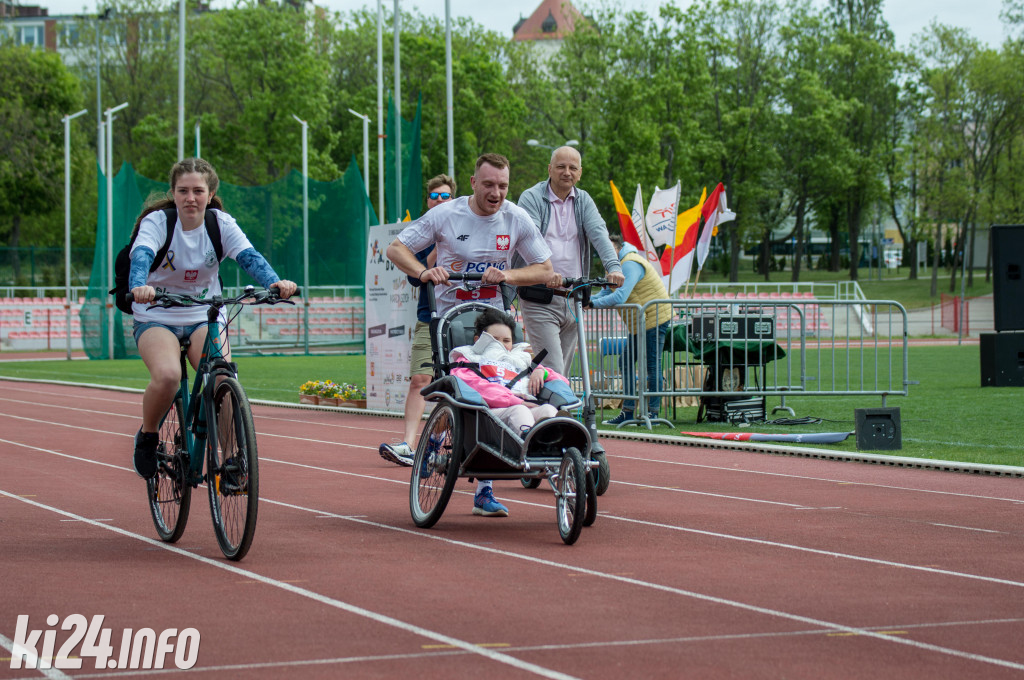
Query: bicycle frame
x=197, y=403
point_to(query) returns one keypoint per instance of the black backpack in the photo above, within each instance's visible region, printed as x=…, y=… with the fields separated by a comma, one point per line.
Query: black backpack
x=123, y=261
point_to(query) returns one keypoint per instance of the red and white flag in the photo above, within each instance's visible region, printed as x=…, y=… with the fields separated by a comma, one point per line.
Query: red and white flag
x=714, y=213
x=632, y=225
x=677, y=260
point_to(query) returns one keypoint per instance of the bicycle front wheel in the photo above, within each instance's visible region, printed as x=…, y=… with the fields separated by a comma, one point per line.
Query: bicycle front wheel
x=232, y=471
x=170, y=494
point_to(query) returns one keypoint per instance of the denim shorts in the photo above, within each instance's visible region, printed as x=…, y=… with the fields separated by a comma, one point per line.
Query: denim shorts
x=180, y=332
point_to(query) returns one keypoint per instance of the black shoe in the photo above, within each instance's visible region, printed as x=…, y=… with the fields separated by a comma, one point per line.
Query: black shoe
x=619, y=419
x=144, y=460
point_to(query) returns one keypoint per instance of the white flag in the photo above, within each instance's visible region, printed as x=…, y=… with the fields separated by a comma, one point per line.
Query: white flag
x=638, y=223
x=661, y=216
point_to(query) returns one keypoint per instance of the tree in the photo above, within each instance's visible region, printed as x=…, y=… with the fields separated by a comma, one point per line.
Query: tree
x=740, y=41
x=862, y=74
x=973, y=96
x=816, y=158
x=39, y=92
x=488, y=113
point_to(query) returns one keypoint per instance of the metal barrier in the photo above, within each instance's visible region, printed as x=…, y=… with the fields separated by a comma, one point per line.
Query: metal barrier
x=750, y=347
x=336, y=321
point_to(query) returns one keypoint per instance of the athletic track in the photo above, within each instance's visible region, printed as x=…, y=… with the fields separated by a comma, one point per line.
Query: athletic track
x=703, y=562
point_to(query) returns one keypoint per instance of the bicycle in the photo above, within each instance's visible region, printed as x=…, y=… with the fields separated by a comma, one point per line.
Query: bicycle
x=215, y=403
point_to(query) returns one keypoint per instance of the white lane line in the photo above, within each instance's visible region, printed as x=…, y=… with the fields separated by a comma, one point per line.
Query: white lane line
x=676, y=489
x=52, y=673
x=831, y=626
x=604, y=644
x=957, y=526
x=1016, y=501
x=787, y=475
x=488, y=653
x=311, y=595
x=603, y=515
x=835, y=627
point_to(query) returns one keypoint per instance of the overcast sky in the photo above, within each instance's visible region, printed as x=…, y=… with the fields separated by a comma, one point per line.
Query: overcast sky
x=906, y=17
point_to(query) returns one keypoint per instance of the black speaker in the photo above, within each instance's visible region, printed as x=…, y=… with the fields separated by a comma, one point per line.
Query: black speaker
x=1002, y=359
x=878, y=429
x=1007, y=280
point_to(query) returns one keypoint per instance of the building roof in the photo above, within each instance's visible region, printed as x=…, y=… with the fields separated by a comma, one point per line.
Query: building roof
x=552, y=20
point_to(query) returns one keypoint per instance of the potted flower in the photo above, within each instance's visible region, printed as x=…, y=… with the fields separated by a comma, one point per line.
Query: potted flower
x=352, y=395
x=329, y=393
x=309, y=392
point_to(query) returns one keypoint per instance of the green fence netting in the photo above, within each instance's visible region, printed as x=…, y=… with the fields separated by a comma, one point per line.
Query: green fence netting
x=412, y=166
x=271, y=216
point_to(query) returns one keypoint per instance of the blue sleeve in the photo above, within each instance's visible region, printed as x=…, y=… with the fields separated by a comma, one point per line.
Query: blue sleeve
x=142, y=260
x=633, y=272
x=256, y=266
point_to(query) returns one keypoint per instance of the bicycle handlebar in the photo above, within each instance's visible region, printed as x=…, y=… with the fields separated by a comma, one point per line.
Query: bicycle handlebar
x=166, y=300
x=581, y=282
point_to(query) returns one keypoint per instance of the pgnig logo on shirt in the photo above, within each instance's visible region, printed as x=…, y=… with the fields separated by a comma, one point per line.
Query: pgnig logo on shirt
x=475, y=267
x=87, y=639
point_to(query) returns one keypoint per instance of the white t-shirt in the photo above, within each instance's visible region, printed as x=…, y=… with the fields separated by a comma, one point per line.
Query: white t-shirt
x=467, y=242
x=190, y=266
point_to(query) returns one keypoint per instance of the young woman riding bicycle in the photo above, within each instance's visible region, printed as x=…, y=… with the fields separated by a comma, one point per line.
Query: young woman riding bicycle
x=190, y=267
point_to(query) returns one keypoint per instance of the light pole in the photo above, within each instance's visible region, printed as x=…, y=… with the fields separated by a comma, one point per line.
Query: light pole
x=380, y=113
x=99, y=99
x=110, y=222
x=181, y=79
x=67, y=220
x=448, y=85
x=305, y=232
x=366, y=163
x=398, y=115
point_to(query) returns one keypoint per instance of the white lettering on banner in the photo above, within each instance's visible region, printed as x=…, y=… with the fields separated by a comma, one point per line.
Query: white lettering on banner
x=390, y=309
x=142, y=649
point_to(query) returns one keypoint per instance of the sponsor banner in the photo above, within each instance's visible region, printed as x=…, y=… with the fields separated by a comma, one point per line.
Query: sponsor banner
x=390, y=321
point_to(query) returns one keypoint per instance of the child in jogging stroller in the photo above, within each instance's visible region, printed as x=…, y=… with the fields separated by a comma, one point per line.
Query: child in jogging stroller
x=497, y=417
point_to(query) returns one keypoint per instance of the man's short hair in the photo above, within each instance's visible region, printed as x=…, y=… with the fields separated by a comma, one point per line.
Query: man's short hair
x=616, y=238
x=441, y=180
x=495, y=159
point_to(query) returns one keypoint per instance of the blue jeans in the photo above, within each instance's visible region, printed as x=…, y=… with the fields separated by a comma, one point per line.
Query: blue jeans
x=654, y=341
x=180, y=332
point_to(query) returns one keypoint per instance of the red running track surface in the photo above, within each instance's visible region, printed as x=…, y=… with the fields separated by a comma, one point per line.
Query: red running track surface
x=702, y=563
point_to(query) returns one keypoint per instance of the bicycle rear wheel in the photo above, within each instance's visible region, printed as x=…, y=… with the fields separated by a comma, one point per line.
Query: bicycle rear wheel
x=232, y=471
x=170, y=494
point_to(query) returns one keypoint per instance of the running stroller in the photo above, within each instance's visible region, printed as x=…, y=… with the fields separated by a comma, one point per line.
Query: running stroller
x=462, y=438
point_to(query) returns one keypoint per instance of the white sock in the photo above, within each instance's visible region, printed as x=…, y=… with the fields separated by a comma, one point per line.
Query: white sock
x=481, y=485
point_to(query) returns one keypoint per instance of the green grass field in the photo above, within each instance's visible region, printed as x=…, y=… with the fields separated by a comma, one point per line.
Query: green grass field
x=948, y=416
x=892, y=285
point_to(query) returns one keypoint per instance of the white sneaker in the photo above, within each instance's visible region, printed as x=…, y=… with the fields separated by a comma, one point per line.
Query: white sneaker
x=400, y=454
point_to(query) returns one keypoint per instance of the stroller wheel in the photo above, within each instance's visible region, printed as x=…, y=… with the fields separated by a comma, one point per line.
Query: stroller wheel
x=435, y=467
x=604, y=474
x=591, y=513
x=570, y=496
x=530, y=482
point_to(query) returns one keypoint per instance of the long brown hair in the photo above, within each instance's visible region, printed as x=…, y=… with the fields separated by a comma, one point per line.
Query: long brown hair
x=160, y=201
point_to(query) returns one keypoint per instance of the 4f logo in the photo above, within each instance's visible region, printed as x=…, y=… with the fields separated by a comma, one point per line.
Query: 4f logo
x=191, y=275
x=462, y=237
x=502, y=242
